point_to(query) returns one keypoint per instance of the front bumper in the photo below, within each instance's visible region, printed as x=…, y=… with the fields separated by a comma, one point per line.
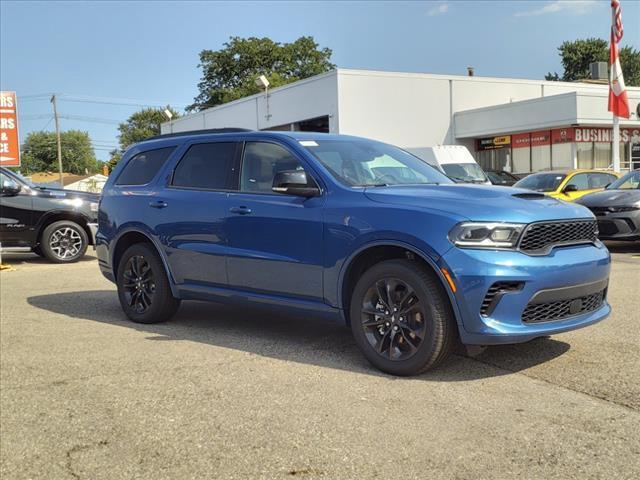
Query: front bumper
x=557, y=276
x=619, y=225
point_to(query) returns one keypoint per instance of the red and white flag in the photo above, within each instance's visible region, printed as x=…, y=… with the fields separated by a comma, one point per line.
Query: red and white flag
x=618, y=102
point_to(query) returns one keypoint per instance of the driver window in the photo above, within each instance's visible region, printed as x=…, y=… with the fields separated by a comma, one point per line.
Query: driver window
x=581, y=181
x=261, y=162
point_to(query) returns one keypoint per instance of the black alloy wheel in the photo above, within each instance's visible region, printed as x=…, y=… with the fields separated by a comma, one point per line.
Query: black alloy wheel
x=143, y=286
x=393, y=318
x=139, y=283
x=401, y=317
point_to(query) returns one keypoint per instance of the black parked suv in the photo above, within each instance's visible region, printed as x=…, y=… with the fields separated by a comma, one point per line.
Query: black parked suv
x=54, y=223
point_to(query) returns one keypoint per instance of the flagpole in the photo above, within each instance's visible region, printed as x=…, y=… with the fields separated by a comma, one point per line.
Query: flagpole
x=616, y=143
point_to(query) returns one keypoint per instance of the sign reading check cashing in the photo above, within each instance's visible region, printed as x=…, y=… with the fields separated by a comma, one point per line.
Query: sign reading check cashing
x=9, y=142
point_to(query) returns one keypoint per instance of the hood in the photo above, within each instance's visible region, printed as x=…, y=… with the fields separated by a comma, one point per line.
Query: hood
x=610, y=198
x=480, y=202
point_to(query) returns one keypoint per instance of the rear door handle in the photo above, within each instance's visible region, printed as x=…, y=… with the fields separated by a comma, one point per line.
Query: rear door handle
x=158, y=204
x=240, y=210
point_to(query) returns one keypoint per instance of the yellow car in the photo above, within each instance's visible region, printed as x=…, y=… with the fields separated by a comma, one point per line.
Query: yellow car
x=568, y=185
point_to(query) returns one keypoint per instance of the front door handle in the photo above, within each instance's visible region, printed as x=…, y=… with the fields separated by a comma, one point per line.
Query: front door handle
x=158, y=204
x=240, y=210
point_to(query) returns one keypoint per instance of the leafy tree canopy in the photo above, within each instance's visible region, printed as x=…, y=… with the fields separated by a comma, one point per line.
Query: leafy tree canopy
x=40, y=153
x=230, y=73
x=577, y=55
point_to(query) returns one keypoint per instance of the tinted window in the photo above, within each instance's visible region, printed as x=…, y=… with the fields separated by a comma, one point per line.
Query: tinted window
x=601, y=180
x=143, y=167
x=209, y=166
x=260, y=164
x=541, y=182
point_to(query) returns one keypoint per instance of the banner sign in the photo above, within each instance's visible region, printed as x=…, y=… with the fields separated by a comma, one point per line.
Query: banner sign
x=9, y=140
x=540, y=138
x=492, y=143
x=605, y=135
x=563, y=135
x=521, y=140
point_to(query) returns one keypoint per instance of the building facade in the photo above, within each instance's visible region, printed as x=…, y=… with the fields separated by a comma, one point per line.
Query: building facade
x=518, y=125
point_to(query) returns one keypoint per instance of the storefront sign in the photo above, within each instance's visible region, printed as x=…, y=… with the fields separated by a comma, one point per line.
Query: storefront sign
x=605, y=135
x=9, y=143
x=540, y=138
x=562, y=135
x=521, y=140
x=494, y=142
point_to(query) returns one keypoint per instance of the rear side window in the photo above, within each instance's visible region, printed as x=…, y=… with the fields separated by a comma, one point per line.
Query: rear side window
x=143, y=167
x=207, y=166
x=601, y=180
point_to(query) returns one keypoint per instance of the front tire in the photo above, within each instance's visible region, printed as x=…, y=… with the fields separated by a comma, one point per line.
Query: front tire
x=63, y=242
x=401, y=318
x=143, y=286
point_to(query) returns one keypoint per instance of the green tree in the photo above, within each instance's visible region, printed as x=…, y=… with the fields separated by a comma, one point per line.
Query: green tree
x=139, y=126
x=40, y=152
x=230, y=73
x=577, y=55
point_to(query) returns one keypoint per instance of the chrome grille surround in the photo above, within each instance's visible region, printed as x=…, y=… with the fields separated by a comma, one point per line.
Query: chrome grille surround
x=540, y=238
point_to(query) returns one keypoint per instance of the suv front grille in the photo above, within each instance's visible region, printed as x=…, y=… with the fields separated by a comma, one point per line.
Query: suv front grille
x=547, y=312
x=539, y=238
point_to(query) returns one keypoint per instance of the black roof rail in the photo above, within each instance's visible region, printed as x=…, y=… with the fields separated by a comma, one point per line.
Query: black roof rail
x=201, y=132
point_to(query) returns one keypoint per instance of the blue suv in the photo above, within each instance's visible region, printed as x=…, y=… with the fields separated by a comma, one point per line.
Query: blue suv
x=346, y=228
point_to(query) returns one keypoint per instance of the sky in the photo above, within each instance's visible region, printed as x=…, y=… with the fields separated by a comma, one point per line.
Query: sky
x=145, y=53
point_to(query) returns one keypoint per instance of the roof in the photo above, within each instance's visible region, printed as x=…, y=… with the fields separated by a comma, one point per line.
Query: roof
x=576, y=170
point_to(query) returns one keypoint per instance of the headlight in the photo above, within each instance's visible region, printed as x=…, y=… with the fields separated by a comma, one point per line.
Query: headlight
x=486, y=235
x=93, y=206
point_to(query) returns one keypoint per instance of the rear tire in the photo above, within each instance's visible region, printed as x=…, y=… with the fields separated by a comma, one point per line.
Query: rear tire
x=143, y=286
x=63, y=242
x=401, y=318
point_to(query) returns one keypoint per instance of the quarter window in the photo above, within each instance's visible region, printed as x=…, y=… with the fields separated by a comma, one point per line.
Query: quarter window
x=207, y=166
x=260, y=164
x=144, y=166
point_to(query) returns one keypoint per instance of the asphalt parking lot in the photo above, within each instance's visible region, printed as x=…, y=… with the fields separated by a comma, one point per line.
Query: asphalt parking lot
x=221, y=393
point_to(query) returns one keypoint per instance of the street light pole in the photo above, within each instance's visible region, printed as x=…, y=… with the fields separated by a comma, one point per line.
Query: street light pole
x=55, y=114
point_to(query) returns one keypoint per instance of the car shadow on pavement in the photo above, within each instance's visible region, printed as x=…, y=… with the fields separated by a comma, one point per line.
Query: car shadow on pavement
x=303, y=340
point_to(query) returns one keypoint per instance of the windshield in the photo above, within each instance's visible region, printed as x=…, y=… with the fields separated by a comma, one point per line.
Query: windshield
x=464, y=172
x=362, y=163
x=541, y=182
x=631, y=181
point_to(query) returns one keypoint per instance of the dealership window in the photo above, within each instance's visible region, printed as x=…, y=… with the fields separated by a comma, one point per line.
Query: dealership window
x=540, y=158
x=561, y=156
x=521, y=160
x=584, y=154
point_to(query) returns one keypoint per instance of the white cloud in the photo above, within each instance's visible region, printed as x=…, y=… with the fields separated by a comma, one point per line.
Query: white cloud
x=439, y=9
x=571, y=7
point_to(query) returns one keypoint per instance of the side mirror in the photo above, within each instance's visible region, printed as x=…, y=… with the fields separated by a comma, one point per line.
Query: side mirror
x=570, y=188
x=294, y=182
x=9, y=188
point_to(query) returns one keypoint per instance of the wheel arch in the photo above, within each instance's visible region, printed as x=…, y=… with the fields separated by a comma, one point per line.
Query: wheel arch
x=57, y=216
x=131, y=237
x=372, y=253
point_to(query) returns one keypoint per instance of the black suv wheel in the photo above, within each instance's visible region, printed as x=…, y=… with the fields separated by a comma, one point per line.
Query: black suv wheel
x=63, y=242
x=401, y=318
x=143, y=286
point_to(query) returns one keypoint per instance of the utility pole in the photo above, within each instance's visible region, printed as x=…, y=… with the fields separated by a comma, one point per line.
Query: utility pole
x=55, y=114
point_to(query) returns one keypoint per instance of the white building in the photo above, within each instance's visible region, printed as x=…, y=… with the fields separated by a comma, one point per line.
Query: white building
x=530, y=125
